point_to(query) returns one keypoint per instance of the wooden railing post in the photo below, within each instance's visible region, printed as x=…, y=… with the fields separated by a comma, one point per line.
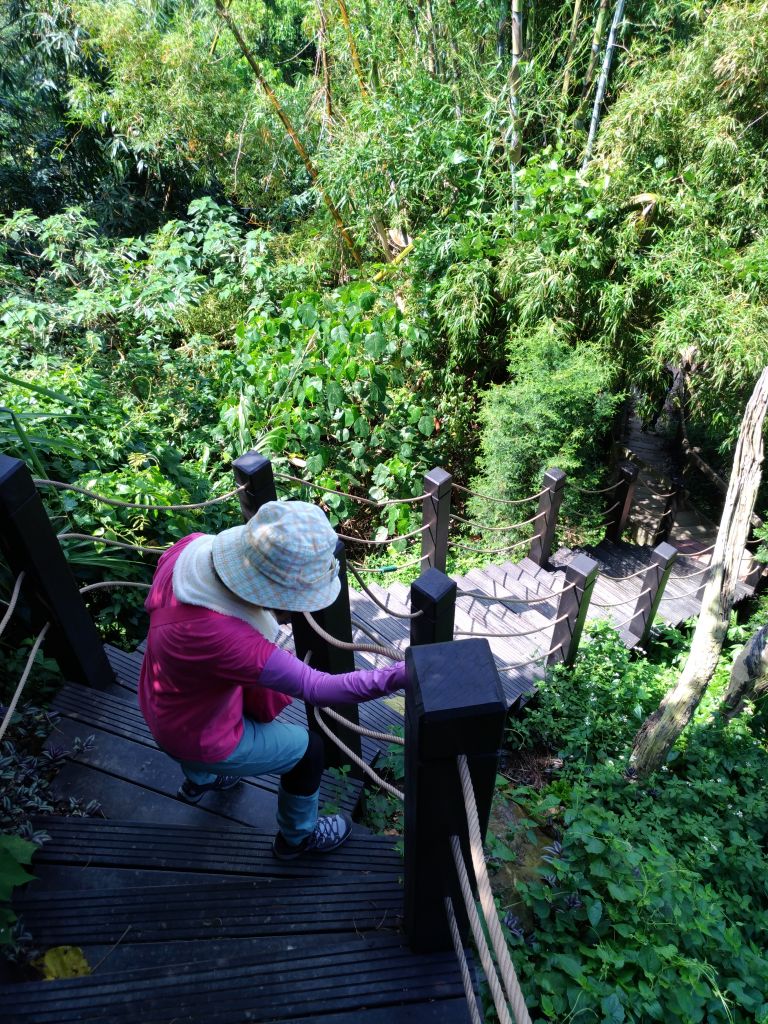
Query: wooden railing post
x=434, y=595
x=654, y=580
x=621, y=497
x=580, y=576
x=436, y=515
x=445, y=716
x=336, y=619
x=546, y=523
x=669, y=514
x=30, y=545
x=255, y=472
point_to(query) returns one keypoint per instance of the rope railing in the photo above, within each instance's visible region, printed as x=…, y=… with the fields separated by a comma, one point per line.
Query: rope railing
x=497, y=529
x=613, y=508
x=530, y=632
x=506, y=967
x=491, y=551
x=689, y=575
x=40, y=482
x=385, y=568
x=505, y=599
x=370, y=502
x=13, y=602
x=684, y=593
x=386, y=541
x=142, y=548
x=392, y=790
x=362, y=628
x=602, y=490
x=110, y=584
x=385, y=737
x=500, y=501
x=22, y=683
x=461, y=957
x=530, y=661
x=656, y=494
x=377, y=600
x=618, y=604
x=385, y=651
x=621, y=579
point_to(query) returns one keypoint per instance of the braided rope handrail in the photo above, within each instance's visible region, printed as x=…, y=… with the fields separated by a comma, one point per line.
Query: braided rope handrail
x=354, y=497
x=387, y=652
x=618, y=604
x=386, y=541
x=689, y=575
x=507, y=969
x=510, y=599
x=385, y=737
x=530, y=661
x=13, y=601
x=386, y=568
x=481, y=943
x=376, y=600
x=498, y=529
x=466, y=978
x=109, y=584
x=40, y=482
x=611, y=509
x=657, y=494
x=355, y=759
x=685, y=593
x=501, y=501
x=530, y=632
x=491, y=551
x=24, y=676
x=602, y=490
x=620, y=579
x=624, y=622
x=112, y=543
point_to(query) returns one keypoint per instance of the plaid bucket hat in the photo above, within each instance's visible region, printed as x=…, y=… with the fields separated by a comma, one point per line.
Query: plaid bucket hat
x=282, y=558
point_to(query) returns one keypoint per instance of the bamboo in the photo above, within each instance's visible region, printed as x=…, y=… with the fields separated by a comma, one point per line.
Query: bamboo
x=571, y=46
x=353, y=53
x=594, y=124
x=298, y=145
x=597, y=37
x=514, y=83
x=326, y=66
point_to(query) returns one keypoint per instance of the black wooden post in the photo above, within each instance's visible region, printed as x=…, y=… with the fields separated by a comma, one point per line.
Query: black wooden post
x=434, y=595
x=580, y=576
x=29, y=544
x=436, y=515
x=546, y=523
x=669, y=514
x=255, y=472
x=454, y=705
x=336, y=619
x=621, y=499
x=654, y=580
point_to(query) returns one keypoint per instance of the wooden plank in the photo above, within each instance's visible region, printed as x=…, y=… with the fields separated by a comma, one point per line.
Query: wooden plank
x=308, y=980
x=251, y=908
x=233, y=850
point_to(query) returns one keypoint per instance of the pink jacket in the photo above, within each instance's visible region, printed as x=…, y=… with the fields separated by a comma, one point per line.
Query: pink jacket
x=200, y=666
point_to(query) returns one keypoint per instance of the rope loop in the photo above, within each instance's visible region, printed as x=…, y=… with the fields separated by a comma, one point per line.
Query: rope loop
x=40, y=482
x=354, y=758
x=376, y=600
x=501, y=501
x=386, y=652
x=13, y=601
x=23, y=680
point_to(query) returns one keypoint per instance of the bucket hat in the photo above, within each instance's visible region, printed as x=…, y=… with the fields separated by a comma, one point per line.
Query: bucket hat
x=282, y=558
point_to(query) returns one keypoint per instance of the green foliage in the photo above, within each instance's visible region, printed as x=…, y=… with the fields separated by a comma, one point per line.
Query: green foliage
x=650, y=904
x=558, y=411
x=14, y=854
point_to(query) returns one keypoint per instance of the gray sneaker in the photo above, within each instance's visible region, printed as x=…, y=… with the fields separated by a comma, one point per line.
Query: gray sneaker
x=329, y=832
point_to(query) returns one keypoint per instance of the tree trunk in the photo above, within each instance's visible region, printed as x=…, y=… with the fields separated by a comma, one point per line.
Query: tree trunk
x=602, y=84
x=571, y=45
x=749, y=675
x=661, y=729
x=298, y=145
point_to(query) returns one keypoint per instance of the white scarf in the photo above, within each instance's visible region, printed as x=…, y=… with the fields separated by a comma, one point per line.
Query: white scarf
x=195, y=582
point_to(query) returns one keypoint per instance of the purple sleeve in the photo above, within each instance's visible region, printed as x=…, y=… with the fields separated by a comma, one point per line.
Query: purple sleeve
x=285, y=673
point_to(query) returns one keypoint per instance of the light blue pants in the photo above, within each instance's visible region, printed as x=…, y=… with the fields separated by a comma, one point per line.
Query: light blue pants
x=267, y=747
